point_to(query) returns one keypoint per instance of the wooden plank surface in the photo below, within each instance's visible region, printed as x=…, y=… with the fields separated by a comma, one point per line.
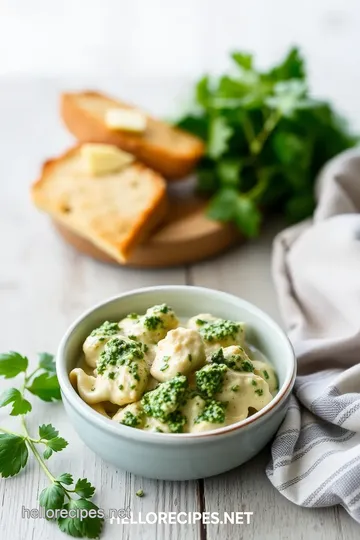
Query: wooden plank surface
x=44, y=285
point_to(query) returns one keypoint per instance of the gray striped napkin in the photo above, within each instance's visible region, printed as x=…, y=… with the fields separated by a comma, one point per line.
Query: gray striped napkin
x=316, y=267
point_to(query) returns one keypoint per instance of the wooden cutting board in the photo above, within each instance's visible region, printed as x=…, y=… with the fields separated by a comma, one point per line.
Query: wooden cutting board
x=186, y=236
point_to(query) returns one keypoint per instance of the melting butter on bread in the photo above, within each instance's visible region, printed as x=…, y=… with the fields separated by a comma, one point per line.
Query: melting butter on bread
x=115, y=211
x=171, y=151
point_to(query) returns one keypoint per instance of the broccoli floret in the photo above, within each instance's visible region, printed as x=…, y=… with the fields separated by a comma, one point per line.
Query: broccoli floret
x=166, y=398
x=210, y=378
x=219, y=330
x=106, y=329
x=120, y=352
x=214, y=412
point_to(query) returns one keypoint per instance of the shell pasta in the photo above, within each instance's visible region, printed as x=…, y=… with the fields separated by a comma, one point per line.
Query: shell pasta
x=153, y=373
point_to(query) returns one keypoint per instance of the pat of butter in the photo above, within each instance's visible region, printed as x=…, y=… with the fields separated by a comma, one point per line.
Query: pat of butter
x=126, y=120
x=102, y=159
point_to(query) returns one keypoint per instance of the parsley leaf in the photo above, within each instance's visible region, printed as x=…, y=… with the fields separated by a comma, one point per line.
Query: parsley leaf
x=47, y=431
x=54, y=443
x=89, y=527
x=243, y=60
x=13, y=454
x=46, y=387
x=292, y=67
x=57, y=444
x=65, y=478
x=47, y=453
x=46, y=362
x=52, y=497
x=247, y=216
x=219, y=134
x=84, y=489
x=20, y=405
x=12, y=363
x=229, y=205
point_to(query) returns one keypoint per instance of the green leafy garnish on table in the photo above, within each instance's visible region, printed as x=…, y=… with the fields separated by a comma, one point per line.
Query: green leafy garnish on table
x=62, y=493
x=266, y=140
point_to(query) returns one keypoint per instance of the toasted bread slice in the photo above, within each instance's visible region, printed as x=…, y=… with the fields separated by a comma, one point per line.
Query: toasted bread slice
x=171, y=151
x=114, y=211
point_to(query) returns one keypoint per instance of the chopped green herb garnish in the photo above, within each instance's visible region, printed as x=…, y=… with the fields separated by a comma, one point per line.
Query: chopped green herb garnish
x=134, y=338
x=259, y=391
x=214, y=412
x=164, y=367
x=112, y=375
x=120, y=352
x=235, y=388
x=153, y=322
x=162, y=308
x=166, y=398
x=121, y=387
x=219, y=330
x=200, y=322
x=246, y=365
x=254, y=383
x=106, y=329
x=210, y=378
x=266, y=375
x=132, y=316
x=176, y=422
x=218, y=356
x=131, y=420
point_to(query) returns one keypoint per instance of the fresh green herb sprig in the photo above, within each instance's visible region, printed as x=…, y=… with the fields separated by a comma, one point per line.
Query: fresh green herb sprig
x=63, y=494
x=266, y=140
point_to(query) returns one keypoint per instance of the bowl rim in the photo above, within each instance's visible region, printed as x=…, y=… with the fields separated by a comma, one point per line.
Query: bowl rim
x=93, y=417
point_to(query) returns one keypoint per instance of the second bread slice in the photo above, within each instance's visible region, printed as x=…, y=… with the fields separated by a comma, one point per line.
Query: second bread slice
x=171, y=151
x=114, y=211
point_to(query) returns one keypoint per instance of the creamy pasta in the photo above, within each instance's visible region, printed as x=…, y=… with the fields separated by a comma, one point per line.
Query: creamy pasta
x=153, y=373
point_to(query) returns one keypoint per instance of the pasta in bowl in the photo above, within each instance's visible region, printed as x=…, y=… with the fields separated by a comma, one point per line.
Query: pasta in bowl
x=156, y=373
x=137, y=399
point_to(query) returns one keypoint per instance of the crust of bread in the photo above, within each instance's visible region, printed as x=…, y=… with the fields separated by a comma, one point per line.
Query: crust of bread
x=166, y=149
x=118, y=246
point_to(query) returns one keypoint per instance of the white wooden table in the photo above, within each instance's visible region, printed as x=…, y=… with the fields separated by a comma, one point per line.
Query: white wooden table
x=44, y=285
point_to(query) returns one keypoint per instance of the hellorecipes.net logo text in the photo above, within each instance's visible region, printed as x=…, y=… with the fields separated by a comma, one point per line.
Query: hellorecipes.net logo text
x=125, y=516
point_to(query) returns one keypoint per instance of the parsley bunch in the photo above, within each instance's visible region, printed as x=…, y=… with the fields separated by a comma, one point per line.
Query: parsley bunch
x=266, y=140
x=62, y=493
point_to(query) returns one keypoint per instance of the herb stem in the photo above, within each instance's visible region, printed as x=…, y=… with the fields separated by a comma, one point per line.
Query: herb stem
x=10, y=432
x=28, y=377
x=248, y=130
x=270, y=123
x=34, y=450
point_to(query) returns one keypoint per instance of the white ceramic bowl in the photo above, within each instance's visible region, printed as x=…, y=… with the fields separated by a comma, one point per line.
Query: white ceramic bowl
x=178, y=456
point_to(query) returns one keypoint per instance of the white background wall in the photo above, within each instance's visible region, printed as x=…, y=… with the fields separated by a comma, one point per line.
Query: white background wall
x=182, y=38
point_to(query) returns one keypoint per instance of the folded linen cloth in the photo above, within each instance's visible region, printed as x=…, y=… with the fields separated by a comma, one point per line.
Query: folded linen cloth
x=316, y=268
